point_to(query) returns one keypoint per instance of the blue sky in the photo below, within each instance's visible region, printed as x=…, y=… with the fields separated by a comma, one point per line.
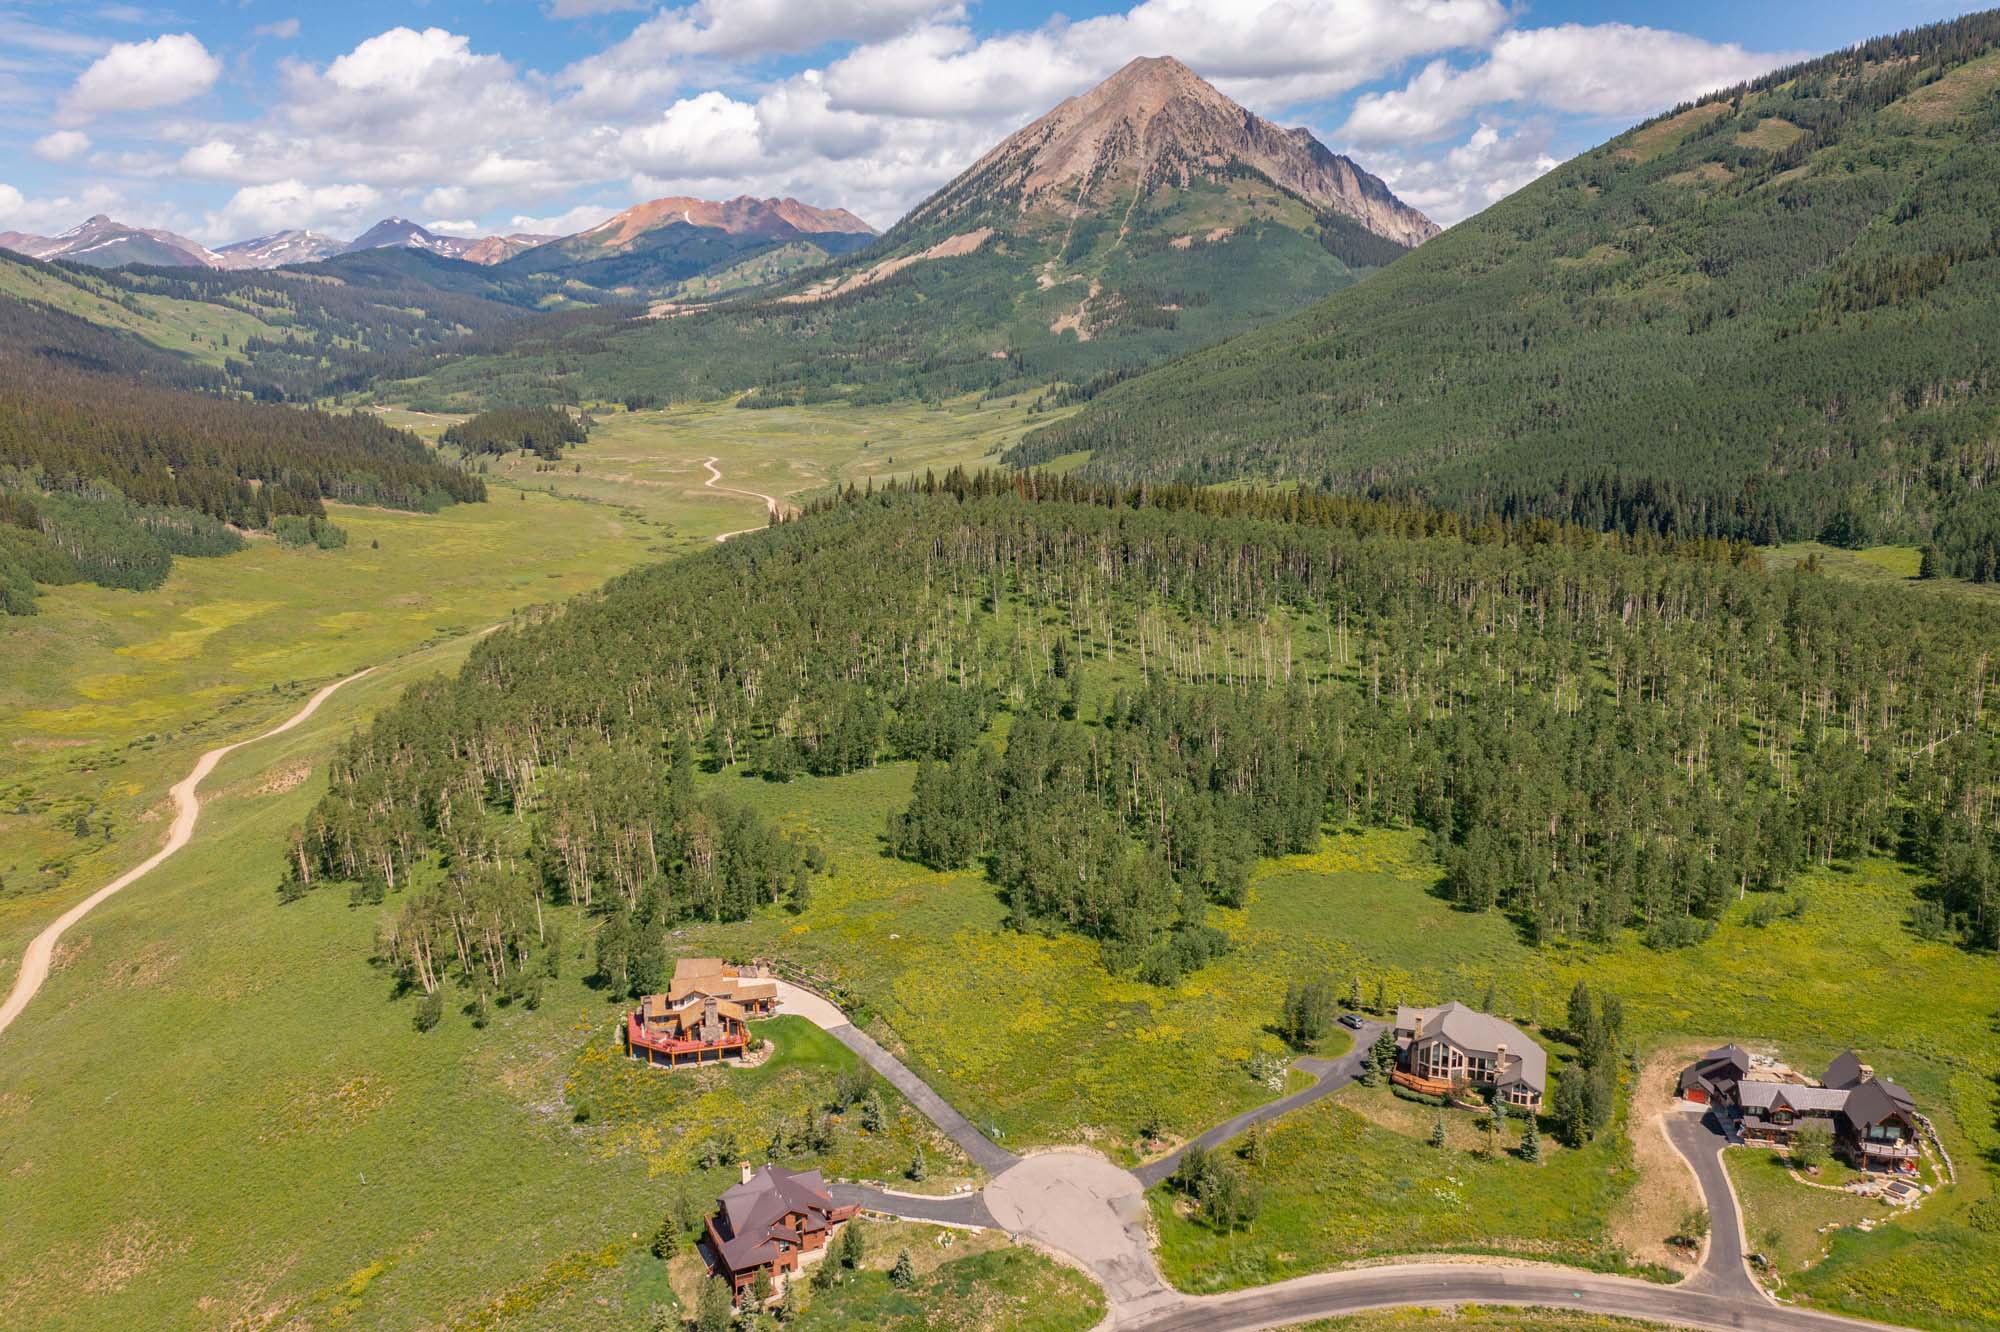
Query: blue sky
x=228, y=118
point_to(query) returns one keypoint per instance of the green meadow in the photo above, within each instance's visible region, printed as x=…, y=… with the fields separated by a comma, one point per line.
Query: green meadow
x=107, y=696
x=214, y=1109
x=1034, y=1041
x=219, y=1110
x=651, y=460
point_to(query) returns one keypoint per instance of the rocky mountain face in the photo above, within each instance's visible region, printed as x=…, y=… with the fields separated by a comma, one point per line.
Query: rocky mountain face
x=741, y=216
x=654, y=245
x=401, y=231
x=499, y=249
x=1157, y=125
x=103, y=243
x=282, y=247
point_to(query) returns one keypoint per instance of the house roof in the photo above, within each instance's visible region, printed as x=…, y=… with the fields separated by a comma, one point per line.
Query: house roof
x=1727, y=1063
x=1765, y=1095
x=711, y=975
x=754, y=1209
x=1481, y=1033
x=1875, y=1100
x=686, y=1009
x=1844, y=1071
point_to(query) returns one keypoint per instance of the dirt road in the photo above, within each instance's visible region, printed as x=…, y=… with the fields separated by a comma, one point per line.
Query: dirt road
x=187, y=808
x=772, y=505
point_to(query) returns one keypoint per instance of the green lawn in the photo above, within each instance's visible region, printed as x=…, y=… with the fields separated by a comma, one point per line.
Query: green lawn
x=651, y=460
x=1336, y=1188
x=667, y=1115
x=993, y=1289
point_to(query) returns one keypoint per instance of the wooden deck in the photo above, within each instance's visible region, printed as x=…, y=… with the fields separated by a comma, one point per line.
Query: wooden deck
x=642, y=1044
x=1428, y=1086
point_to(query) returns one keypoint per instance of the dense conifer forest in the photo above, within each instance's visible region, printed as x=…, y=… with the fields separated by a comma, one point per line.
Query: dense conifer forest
x=1598, y=740
x=541, y=430
x=1770, y=315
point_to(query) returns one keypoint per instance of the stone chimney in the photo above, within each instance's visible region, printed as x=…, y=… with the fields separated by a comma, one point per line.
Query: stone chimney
x=1417, y=1033
x=1500, y=1059
x=746, y=1172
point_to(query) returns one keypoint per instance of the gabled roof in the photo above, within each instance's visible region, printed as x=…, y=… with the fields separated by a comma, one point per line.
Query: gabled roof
x=1481, y=1033
x=1766, y=1095
x=711, y=975
x=1844, y=1071
x=1874, y=1101
x=754, y=1209
x=1724, y=1064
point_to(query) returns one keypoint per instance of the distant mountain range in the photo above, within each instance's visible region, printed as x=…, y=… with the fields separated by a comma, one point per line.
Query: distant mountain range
x=103, y=243
x=640, y=240
x=664, y=242
x=1139, y=220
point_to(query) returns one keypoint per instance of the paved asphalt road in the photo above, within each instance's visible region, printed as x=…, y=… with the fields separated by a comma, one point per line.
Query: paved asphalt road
x=1442, y=1284
x=1723, y=1271
x=1333, y=1074
x=988, y=1155
x=959, y=1209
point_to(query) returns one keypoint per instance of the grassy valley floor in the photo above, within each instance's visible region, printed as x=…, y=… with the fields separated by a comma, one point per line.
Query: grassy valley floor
x=213, y=1115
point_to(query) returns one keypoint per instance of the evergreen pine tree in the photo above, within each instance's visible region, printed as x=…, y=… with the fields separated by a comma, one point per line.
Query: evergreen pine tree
x=1572, y=1116
x=1582, y=1014
x=1437, y=1131
x=1531, y=1142
x=904, y=1274
x=917, y=1169
x=872, y=1112
x=851, y=1247
x=1927, y=562
x=713, y=1311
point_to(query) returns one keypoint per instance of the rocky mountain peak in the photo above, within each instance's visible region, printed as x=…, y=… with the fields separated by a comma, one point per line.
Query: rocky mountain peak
x=1156, y=124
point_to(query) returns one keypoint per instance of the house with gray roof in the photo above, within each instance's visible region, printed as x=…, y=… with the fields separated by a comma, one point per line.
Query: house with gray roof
x=770, y=1222
x=1712, y=1079
x=1439, y=1050
x=1873, y=1121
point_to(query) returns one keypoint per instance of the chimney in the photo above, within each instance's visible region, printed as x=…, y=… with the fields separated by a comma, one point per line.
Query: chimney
x=1418, y=1033
x=746, y=1172
x=1500, y=1059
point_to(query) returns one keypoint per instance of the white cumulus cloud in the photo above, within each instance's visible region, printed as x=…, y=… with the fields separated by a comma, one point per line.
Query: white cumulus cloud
x=281, y=205
x=62, y=146
x=1606, y=69
x=140, y=76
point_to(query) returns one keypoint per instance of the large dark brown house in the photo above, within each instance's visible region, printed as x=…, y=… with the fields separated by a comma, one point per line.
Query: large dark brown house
x=1873, y=1121
x=768, y=1223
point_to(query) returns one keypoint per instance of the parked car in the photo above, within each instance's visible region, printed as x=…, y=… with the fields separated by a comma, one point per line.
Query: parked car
x=1351, y=1021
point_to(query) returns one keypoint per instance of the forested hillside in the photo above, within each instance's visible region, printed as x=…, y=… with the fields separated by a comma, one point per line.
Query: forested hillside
x=116, y=455
x=291, y=335
x=1599, y=740
x=1773, y=314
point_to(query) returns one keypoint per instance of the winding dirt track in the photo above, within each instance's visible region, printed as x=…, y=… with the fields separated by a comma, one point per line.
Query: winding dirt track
x=772, y=505
x=187, y=809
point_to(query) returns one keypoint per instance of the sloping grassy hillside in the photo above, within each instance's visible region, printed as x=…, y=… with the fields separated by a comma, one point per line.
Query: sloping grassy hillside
x=1768, y=315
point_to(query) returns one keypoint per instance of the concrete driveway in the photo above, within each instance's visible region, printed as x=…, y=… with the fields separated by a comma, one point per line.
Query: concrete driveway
x=1090, y=1210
